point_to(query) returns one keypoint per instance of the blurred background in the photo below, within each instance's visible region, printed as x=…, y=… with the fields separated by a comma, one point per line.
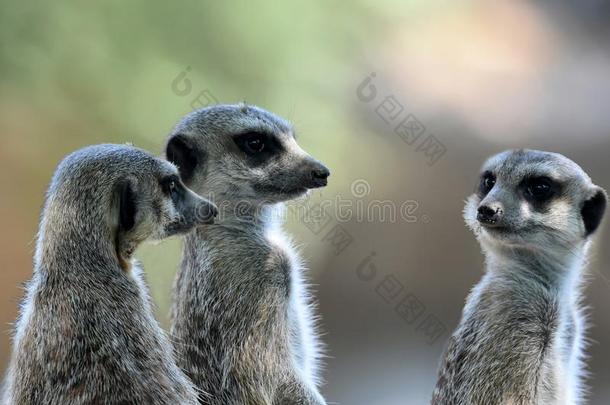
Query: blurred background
x=403, y=100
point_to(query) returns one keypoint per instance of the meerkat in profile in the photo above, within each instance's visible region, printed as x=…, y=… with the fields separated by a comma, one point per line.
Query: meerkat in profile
x=86, y=333
x=241, y=313
x=521, y=336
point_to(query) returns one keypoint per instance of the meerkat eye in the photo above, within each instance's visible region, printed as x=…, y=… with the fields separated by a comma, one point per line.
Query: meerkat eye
x=171, y=185
x=539, y=188
x=255, y=145
x=488, y=181
x=251, y=143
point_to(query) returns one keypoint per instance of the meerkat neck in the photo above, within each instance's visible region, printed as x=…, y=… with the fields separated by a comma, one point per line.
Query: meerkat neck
x=560, y=271
x=246, y=217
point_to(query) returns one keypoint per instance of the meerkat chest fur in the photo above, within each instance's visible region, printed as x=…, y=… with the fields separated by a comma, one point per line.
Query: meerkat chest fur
x=253, y=295
x=303, y=345
x=77, y=339
x=522, y=328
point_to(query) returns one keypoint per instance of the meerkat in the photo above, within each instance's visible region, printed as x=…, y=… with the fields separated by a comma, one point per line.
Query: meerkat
x=520, y=340
x=86, y=333
x=241, y=314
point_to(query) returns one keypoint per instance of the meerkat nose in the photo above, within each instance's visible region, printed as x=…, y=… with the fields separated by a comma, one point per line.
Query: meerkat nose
x=489, y=215
x=320, y=175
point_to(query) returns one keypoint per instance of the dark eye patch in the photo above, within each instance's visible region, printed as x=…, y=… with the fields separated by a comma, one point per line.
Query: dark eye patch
x=258, y=146
x=172, y=186
x=487, y=182
x=539, y=190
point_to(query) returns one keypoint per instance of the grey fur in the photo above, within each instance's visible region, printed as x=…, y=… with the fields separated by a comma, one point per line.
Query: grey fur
x=521, y=336
x=241, y=314
x=86, y=332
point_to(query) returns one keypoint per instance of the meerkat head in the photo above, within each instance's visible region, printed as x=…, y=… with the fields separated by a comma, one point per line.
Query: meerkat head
x=122, y=194
x=242, y=153
x=533, y=199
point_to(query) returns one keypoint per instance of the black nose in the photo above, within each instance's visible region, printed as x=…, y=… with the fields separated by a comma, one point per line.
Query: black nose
x=489, y=215
x=319, y=176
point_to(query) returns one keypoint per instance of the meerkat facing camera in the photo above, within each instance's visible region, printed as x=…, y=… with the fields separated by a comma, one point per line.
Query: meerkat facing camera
x=86, y=333
x=521, y=336
x=241, y=314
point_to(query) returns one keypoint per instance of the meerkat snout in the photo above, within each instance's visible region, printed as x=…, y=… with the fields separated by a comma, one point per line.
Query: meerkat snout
x=489, y=214
x=319, y=175
x=193, y=211
x=187, y=209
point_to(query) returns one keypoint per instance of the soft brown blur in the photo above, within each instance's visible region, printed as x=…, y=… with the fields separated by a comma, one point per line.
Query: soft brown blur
x=479, y=76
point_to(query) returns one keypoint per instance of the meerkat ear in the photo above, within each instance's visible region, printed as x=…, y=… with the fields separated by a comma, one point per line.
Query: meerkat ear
x=593, y=210
x=182, y=152
x=127, y=205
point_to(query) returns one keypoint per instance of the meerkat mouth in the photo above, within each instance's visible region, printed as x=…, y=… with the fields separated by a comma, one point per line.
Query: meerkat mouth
x=284, y=191
x=507, y=236
x=497, y=231
x=492, y=224
x=296, y=192
x=495, y=226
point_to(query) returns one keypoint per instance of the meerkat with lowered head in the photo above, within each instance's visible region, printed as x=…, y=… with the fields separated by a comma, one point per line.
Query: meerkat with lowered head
x=520, y=339
x=86, y=333
x=241, y=314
